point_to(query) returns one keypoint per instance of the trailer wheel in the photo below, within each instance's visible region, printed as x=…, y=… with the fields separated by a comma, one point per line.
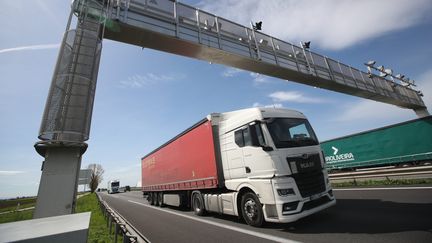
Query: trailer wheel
x=198, y=204
x=160, y=199
x=156, y=198
x=252, y=209
x=153, y=198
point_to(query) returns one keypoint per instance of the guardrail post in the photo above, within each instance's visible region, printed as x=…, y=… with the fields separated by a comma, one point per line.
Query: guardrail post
x=116, y=229
x=110, y=223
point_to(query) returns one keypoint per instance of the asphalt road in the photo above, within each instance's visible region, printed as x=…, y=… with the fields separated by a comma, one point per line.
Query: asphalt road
x=366, y=215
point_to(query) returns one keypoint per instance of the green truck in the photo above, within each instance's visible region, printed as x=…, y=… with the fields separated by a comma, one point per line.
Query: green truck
x=399, y=144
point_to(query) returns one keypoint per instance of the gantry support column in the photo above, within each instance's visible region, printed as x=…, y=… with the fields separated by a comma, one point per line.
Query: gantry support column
x=66, y=121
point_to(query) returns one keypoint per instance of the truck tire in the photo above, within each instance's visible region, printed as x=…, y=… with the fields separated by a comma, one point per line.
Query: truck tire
x=252, y=210
x=160, y=199
x=198, y=204
x=156, y=198
x=153, y=198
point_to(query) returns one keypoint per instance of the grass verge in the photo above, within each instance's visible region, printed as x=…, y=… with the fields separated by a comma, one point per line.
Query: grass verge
x=16, y=216
x=98, y=231
x=14, y=204
x=388, y=182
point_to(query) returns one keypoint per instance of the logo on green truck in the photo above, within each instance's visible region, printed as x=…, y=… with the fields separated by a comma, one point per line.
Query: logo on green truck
x=339, y=157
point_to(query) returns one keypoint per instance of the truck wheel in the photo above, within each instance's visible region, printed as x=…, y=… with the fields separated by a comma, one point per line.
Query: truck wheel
x=153, y=198
x=252, y=209
x=198, y=204
x=156, y=198
x=160, y=199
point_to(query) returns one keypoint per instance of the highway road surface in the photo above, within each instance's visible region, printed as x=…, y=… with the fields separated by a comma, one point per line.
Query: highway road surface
x=360, y=215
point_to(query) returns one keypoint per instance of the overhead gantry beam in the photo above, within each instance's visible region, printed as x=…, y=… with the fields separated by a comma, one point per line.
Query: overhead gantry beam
x=177, y=28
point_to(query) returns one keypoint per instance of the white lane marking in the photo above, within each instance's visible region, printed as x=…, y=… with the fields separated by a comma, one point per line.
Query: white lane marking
x=234, y=228
x=382, y=188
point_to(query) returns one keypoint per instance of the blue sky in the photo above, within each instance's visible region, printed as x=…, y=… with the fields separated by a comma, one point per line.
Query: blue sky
x=145, y=97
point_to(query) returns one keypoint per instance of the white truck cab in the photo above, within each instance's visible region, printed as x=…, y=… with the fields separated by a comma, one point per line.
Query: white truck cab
x=113, y=186
x=273, y=166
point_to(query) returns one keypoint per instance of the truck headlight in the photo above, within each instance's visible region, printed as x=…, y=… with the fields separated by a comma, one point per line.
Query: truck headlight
x=285, y=192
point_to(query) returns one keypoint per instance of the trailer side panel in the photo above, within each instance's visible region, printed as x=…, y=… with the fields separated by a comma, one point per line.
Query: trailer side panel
x=185, y=163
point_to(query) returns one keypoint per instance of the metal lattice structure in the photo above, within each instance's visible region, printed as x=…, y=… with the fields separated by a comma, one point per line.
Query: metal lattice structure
x=177, y=28
x=69, y=106
x=181, y=29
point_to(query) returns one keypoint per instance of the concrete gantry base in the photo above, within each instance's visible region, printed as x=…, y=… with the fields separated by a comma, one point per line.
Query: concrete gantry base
x=59, y=180
x=66, y=229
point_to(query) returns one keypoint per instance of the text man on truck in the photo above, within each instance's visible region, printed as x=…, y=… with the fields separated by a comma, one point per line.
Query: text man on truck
x=262, y=164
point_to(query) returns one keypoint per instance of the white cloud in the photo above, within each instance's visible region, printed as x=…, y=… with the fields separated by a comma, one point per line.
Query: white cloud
x=365, y=109
x=231, y=72
x=331, y=24
x=30, y=48
x=10, y=172
x=139, y=81
x=259, y=78
x=294, y=96
x=275, y=105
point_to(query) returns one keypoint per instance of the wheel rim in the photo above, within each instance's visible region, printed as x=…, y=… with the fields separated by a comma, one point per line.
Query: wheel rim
x=197, y=204
x=250, y=208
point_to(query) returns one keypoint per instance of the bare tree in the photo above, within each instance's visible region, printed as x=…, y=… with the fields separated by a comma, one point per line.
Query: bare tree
x=95, y=176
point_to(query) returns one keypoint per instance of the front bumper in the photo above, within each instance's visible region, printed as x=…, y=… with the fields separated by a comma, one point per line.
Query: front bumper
x=300, y=207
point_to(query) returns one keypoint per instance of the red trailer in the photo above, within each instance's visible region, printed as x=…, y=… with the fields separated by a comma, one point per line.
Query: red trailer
x=186, y=162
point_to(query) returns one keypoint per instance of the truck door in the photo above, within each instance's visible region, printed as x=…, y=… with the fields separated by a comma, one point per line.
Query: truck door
x=234, y=154
x=257, y=162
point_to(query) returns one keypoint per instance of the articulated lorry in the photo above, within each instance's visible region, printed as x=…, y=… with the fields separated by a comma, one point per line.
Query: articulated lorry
x=261, y=164
x=113, y=186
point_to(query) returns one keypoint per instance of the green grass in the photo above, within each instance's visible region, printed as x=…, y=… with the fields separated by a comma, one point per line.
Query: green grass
x=11, y=204
x=98, y=231
x=16, y=216
x=389, y=182
x=98, y=226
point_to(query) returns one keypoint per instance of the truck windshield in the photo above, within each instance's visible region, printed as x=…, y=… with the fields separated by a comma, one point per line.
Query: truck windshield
x=291, y=132
x=115, y=184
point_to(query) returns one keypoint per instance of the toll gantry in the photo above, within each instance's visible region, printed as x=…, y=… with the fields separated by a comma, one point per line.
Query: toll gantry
x=177, y=28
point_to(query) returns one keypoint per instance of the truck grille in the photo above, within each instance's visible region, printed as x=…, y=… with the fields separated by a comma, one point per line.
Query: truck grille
x=309, y=180
x=310, y=183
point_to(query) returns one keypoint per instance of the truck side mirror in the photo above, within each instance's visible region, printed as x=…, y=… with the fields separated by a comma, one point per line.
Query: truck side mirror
x=267, y=148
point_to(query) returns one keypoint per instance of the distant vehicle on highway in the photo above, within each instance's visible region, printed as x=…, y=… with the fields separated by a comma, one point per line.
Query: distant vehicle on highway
x=406, y=143
x=113, y=186
x=262, y=164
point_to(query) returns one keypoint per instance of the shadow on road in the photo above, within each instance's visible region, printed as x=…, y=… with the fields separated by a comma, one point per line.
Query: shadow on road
x=364, y=216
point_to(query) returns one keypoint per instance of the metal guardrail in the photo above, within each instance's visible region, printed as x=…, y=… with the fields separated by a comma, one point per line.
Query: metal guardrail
x=121, y=225
x=410, y=171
